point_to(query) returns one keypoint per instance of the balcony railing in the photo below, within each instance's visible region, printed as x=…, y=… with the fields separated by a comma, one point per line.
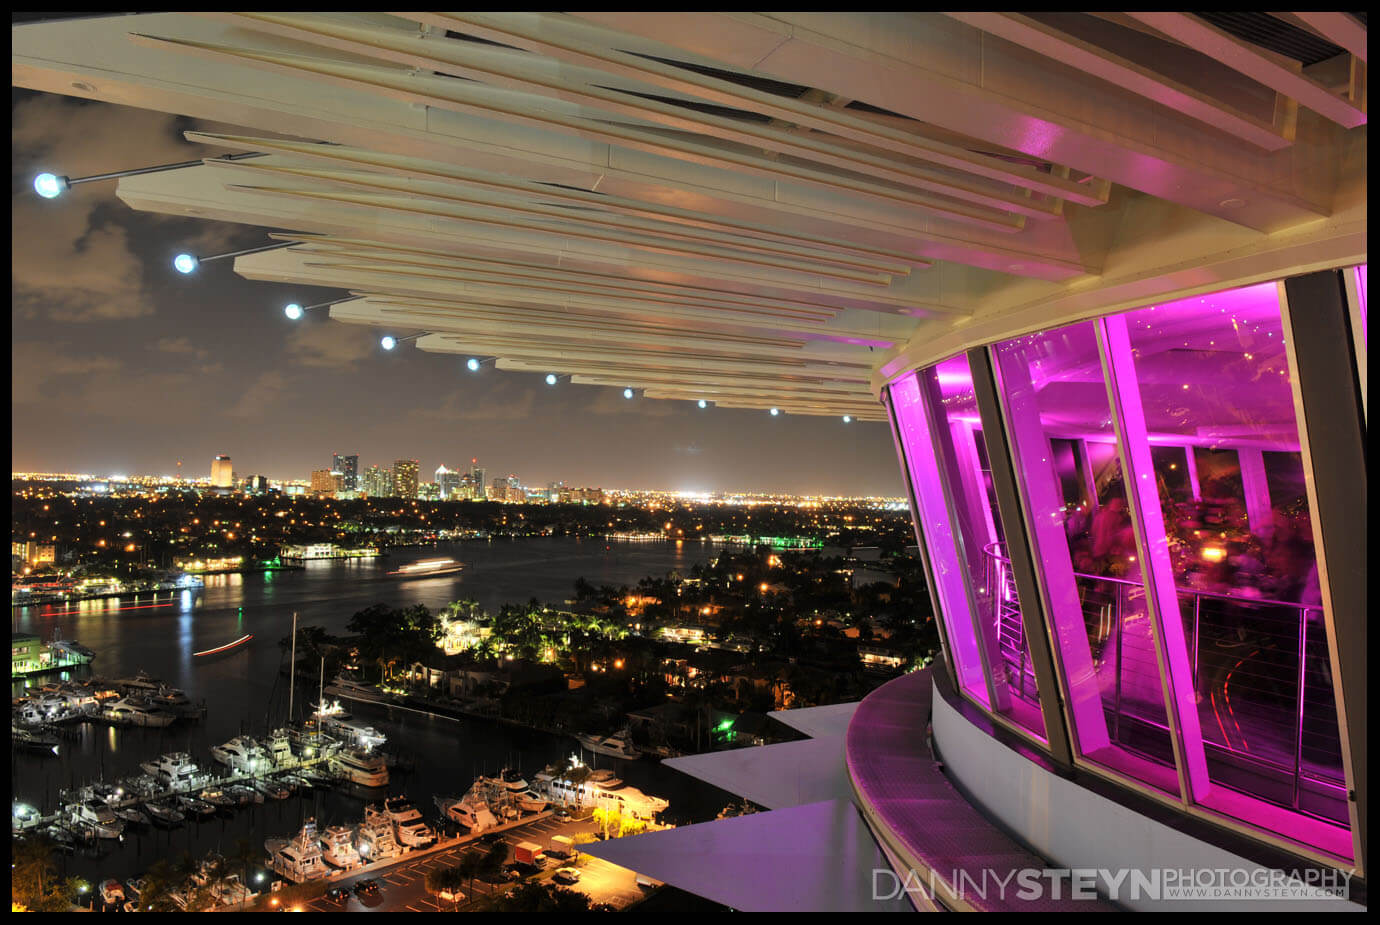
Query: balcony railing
x=1261, y=671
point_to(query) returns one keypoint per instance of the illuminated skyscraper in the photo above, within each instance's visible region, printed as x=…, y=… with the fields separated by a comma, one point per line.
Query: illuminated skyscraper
x=477, y=477
x=222, y=472
x=405, y=477
x=348, y=467
x=448, y=482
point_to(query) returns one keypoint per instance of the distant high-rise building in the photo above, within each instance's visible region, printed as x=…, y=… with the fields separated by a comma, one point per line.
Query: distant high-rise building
x=326, y=481
x=448, y=482
x=373, y=482
x=405, y=477
x=477, y=478
x=347, y=466
x=222, y=472
x=256, y=484
x=429, y=491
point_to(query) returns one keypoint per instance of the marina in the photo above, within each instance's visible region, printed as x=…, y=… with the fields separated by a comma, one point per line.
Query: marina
x=242, y=687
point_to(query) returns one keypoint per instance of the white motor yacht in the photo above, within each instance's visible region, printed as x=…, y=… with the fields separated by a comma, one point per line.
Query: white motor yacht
x=618, y=745
x=177, y=771
x=299, y=859
x=360, y=767
x=135, y=711
x=408, y=825
x=376, y=841
x=471, y=811
x=338, y=847
x=99, y=818
x=242, y=755
x=335, y=720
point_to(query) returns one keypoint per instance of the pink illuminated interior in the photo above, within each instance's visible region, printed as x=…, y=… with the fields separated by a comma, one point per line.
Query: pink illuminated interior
x=1186, y=615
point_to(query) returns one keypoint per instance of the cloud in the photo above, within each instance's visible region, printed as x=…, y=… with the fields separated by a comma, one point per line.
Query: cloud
x=458, y=407
x=34, y=365
x=335, y=345
x=182, y=346
x=74, y=258
x=268, y=390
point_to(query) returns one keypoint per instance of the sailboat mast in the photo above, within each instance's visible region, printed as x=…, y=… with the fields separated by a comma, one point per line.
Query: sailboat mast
x=292, y=670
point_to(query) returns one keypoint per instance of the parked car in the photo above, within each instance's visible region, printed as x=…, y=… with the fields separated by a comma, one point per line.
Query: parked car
x=451, y=896
x=491, y=838
x=338, y=894
x=367, y=888
x=566, y=875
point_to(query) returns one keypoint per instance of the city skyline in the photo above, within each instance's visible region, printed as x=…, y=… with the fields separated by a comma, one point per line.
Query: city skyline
x=120, y=364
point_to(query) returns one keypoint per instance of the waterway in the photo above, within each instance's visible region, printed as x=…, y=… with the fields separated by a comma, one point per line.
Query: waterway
x=244, y=691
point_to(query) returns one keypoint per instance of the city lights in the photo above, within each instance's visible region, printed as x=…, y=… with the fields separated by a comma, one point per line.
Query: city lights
x=472, y=364
x=550, y=378
x=627, y=393
x=185, y=263
x=293, y=311
x=388, y=342
x=703, y=403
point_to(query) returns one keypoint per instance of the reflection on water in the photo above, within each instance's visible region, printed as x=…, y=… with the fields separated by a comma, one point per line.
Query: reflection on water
x=158, y=633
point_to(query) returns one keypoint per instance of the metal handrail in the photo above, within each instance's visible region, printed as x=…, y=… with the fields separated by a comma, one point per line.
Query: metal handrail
x=989, y=550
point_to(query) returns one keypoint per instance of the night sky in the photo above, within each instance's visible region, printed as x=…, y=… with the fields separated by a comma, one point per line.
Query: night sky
x=122, y=365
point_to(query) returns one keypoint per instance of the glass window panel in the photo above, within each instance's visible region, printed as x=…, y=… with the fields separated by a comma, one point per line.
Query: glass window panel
x=947, y=390
x=1214, y=380
x=948, y=572
x=1053, y=390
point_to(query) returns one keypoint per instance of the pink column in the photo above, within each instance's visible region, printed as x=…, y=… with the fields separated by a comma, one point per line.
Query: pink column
x=1256, y=488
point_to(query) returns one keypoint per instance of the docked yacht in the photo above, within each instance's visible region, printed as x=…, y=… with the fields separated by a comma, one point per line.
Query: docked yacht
x=98, y=818
x=197, y=807
x=278, y=747
x=338, y=847
x=333, y=719
x=244, y=795
x=521, y=793
x=34, y=740
x=583, y=787
x=298, y=860
x=136, y=711
x=177, y=771
x=360, y=767
x=408, y=826
x=376, y=841
x=218, y=798
x=242, y=755
x=163, y=813
x=618, y=745
x=176, y=702
x=354, y=690
x=272, y=789
x=471, y=811
x=229, y=890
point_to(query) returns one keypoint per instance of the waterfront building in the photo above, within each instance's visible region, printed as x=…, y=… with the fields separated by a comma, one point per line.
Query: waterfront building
x=222, y=473
x=1102, y=275
x=405, y=478
x=348, y=467
x=477, y=480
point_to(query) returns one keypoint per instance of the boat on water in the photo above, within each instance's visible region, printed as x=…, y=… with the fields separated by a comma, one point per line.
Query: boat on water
x=136, y=711
x=242, y=755
x=427, y=568
x=298, y=859
x=272, y=789
x=278, y=747
x=333, y=719
x=132, y=815
x=471, y=811
x=34, y=740
x=354, y=690
x=617, y=745
x=176, y=771
x=99, y=818
x=228, y=647
x=520, y=793
x=376, y=840
x=218, y=798
x=359, y=767
x=197, y=807
x=140, y=683
x=176, y=702
x=244, y=795
x=164, y=814
x=338, y=847
x=229, y=890
x=408, y=825
x=581, y=786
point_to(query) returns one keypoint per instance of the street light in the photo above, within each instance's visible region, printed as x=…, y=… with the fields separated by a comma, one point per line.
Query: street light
x=388, y=341
x=775, y=412
x=551, y=379
x=703, y=404
x=472, y=364
x=51, y=186
x=627, y=393
x=295, y=311
x=188, y=263
x=848, y=419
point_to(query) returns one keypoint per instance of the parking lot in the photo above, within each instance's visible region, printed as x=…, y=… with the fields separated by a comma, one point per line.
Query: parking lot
x=403, y=886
